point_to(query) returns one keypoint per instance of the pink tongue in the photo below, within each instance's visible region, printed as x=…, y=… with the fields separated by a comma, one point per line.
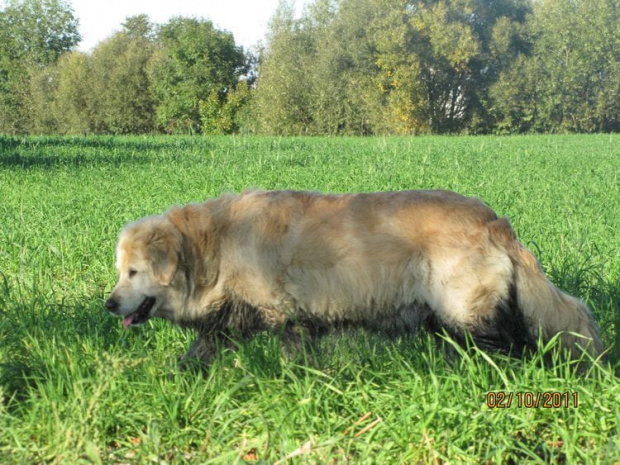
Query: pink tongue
x=128, y=320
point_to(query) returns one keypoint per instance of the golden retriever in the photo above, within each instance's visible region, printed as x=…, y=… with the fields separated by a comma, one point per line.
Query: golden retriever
x=299, y=262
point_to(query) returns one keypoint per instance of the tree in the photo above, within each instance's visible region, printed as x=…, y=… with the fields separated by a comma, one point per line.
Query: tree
x=438, y=61
x=223, y=114
x=570, y=81
x=383, y=66
x=33, y=34
x=194, y=60
x=39, y=31
x=73, y=99
x=283, y=88
x=344, y=94
x=316, y=74
x=123, y=99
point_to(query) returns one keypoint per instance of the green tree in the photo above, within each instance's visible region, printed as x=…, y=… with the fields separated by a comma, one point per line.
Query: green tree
x=33, y=34
x=222, y=114
x=194, y=60
x=107, y=91
x=39, y=31
x=343, y=91
x=40, y=97
x=384, y=66
x=315, y=75
x=123, y=100
x=283, y=88
x=438, y=61
x=571, y=79
x=73, y=99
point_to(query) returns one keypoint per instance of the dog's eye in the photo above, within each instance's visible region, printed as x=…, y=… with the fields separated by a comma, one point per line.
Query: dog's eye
x=132, y=273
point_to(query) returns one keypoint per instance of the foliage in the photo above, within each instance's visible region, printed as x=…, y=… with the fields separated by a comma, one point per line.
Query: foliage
x=342, y=67
x=571, y=79
x=194, y=60
x=107, y=91
x=439, y=66
x=142, y=79
x=344, y=94
x=39, y=31
x=33, y=34
x=282, y=97
x=69, y=102
x=121, y=93
x=222, y=115
x=383, y=66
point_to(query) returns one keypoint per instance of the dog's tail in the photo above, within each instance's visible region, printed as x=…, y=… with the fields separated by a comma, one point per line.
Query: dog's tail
x=545, y=307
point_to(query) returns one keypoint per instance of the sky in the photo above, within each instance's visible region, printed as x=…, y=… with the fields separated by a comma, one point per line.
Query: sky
x=246, y=19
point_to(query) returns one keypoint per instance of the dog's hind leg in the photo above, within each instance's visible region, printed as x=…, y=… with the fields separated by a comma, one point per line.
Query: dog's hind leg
x=544, y=306
x=552, y=310
x=472, y=291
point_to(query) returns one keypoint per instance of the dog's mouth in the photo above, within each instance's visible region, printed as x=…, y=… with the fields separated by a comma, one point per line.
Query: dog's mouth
x=141, y=315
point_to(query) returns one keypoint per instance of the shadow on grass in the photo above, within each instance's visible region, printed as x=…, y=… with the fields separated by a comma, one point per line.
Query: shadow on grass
x=52, y=151
x=50, y=343
x=17, y=160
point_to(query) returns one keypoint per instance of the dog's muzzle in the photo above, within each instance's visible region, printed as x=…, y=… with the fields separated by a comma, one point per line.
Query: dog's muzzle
x=111, y=305
x=141, y=315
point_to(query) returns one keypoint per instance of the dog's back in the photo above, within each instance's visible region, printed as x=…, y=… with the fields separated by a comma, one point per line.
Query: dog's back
x=392, y=261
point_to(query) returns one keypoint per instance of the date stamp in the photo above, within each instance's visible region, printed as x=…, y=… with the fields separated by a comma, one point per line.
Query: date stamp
x=531, y=399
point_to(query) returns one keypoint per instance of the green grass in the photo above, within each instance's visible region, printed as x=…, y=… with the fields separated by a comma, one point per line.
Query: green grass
x=75, y=387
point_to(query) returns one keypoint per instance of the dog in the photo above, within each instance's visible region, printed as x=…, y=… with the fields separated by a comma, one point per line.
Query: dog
x=305, y=263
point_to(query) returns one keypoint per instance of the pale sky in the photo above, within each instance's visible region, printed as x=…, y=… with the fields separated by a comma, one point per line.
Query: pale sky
x=246, y=19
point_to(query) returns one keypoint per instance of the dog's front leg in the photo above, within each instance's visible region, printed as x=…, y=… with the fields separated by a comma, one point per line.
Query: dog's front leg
x=203, y=350
x=301, y=342
x=206, y=346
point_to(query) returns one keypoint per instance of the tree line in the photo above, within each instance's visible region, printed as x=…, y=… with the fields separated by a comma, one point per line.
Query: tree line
x=343, y=67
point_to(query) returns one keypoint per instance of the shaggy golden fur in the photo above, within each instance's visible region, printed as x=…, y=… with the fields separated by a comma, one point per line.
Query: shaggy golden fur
x=298, y=261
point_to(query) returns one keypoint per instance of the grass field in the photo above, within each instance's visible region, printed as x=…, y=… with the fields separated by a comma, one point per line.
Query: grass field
x=76, y=387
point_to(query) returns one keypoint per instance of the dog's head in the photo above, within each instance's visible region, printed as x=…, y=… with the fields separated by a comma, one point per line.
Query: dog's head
x=147, y=259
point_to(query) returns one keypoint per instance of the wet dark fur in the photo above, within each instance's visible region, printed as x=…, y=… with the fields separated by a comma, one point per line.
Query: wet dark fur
x=235, y=322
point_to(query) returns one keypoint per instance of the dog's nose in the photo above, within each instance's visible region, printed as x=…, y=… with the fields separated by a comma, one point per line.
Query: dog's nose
x=111, y=304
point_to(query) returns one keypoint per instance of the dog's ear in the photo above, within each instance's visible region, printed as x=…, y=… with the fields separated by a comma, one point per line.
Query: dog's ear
x=163, y=249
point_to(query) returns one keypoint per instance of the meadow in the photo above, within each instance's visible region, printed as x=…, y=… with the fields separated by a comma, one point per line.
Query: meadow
x=77, y=388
